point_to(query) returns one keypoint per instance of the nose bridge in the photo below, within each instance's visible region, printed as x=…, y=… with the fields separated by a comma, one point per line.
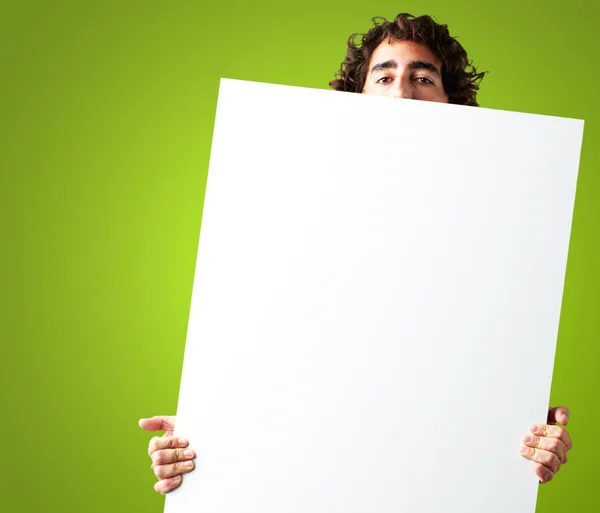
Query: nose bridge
x=403, y=85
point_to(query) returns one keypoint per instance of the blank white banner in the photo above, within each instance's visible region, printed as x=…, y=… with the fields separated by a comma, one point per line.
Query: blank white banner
x=375, y=306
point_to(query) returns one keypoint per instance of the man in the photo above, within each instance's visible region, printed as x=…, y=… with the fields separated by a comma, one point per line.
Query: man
x=413, y=58
x=409, y=57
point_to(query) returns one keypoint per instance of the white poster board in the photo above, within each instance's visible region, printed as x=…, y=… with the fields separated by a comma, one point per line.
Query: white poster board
x=376, y=304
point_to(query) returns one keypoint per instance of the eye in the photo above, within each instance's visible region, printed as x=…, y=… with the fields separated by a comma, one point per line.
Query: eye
x=384, y=80
x=424, y=80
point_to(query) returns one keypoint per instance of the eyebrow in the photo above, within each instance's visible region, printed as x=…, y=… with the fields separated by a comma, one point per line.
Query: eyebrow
x=392, y=64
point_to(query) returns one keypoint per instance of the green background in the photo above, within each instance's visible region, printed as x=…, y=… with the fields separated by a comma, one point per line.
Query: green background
x=107, y=110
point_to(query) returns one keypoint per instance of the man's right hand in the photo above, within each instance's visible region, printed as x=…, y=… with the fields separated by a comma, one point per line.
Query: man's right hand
x=170, y=455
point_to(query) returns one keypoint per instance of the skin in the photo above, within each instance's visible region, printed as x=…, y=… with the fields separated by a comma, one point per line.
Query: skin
x=171, y=455
x=405, y=69
x=545, y=445
x=400, y=69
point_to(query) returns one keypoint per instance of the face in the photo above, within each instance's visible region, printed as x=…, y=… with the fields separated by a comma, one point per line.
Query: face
x=405, y=69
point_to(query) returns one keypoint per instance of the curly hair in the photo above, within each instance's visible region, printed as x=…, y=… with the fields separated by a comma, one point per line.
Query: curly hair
x=459, y=78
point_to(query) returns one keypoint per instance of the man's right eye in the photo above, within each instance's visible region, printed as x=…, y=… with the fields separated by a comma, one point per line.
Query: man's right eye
x=384, y=80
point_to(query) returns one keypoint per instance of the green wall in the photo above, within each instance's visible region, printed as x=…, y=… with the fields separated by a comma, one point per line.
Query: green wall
x=107, y=110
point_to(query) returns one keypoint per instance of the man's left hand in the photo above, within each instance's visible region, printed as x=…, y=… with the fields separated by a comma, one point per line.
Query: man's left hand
x=547, y=445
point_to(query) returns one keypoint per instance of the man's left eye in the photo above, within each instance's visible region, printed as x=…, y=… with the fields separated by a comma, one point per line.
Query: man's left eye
x=424, y=80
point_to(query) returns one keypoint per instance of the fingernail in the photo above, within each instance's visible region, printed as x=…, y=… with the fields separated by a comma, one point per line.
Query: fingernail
x=528, y=439
x=535, y=428
x=523, y=449
x=188, y=453
x=177, y=478
x=189, y=463
x=183, y=441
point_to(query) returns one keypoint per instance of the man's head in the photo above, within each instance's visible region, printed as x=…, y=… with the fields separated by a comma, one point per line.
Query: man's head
x=409, y=58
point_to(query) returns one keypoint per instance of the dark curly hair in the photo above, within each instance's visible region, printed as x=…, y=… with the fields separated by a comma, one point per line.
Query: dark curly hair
x=459, y=77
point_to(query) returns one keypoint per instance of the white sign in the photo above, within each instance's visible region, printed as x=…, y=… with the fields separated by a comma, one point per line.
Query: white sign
x=376, y=304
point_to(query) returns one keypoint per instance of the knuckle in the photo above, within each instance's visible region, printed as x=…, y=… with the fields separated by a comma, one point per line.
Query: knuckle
x=158, y=457
x=166, y=485
x=153, y=445
x=562, y=456
x=541, y=472
x=161, y=471
x=546, y=458
x=567, y=440
x=184, y=466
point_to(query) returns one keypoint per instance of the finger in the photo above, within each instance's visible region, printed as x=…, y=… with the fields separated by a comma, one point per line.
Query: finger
x=166, y=442
x=159, y=423
x=161, y=457
x=554, y=445
x=553, y=432
x=172, y=469
x=543, y=473
x=546, y=458
x=166, y=485
x=559, y=414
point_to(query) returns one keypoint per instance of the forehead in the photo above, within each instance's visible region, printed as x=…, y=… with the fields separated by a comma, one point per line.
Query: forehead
x=403, y=52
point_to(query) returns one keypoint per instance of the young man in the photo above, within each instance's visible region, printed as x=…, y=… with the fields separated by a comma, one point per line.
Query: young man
x=413, y=58
x=409, y=57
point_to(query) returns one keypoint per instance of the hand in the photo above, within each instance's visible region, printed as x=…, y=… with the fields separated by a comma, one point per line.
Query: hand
x=547, y=445
x=170, y=458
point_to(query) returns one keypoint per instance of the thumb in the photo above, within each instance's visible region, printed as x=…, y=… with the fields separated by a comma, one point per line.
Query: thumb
x=558, y=415
x=159, y=423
